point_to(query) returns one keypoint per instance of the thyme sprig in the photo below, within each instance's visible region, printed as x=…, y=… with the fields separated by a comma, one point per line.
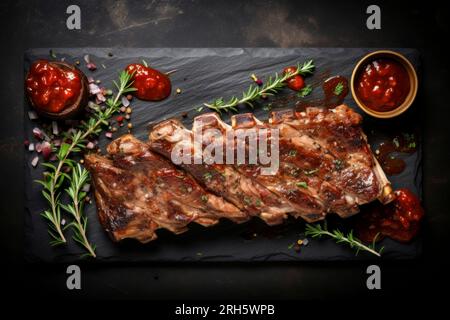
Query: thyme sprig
x=55, y=177
x=317, y=231
x=270, y=87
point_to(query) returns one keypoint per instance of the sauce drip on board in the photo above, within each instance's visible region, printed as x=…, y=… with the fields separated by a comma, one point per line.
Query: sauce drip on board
x=335, y=90
x=402, y=143
x=383, y=85
x=398, y=220
x=52, y=88
x=151, y=84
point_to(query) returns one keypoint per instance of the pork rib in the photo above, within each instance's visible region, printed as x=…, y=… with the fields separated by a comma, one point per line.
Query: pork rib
x=325, y=165
x=138, y=191
x=220, y=179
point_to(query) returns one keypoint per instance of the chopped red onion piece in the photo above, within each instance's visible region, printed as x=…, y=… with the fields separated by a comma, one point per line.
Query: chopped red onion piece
x=46, y=150
x=100, y=97
x=31, y=147
x=38, y=147
x=125, y=101
x=57, y=142
x=123, y=109
x=55, y=128
x=87, y=58
x=91, y=80
x=86, y=187
x=108, y=135
x=90, y=145
x=35, y=161
x=32, y=115
x=38, y=134
x=91, y=66
x=93, y=88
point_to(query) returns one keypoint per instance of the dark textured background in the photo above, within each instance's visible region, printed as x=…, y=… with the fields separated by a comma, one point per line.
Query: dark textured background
x=27, y=24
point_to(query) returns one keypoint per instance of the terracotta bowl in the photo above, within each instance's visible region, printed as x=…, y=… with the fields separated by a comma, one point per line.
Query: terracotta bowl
x=412, y=78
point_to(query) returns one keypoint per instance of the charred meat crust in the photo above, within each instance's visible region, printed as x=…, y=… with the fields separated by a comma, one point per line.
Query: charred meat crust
x=325, y=165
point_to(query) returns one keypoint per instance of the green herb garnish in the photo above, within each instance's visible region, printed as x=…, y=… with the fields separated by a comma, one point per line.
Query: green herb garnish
x=316, y=231
x=302, y=184
x=80, y=176
x=292, y=153
x=305, y=91
x=338, y=164
x=339, y=88
x=270, y=87
x=54, y=178
x=207, y=176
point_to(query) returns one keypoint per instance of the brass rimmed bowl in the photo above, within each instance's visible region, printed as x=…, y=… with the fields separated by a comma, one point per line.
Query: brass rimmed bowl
x=412, y=75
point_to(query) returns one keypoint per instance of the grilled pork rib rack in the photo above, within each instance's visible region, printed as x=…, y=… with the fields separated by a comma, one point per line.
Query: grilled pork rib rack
x=325, y=165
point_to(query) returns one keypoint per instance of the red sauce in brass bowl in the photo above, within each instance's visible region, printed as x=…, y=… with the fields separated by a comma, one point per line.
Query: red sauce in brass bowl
x=383, y=84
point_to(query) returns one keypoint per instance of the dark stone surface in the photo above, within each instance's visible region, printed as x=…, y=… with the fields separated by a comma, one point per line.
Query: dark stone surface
x=28, y=24
x=203, y=75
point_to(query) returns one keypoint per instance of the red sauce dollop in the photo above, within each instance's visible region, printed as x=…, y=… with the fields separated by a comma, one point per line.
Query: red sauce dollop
x=52, y=88
x=151, y=84
x=398, y=220
x=383, y=85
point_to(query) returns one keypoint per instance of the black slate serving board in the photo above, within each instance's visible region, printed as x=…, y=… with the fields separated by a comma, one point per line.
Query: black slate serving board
x=203, y=75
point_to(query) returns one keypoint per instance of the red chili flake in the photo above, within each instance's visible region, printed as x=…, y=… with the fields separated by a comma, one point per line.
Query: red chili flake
x=120, y=118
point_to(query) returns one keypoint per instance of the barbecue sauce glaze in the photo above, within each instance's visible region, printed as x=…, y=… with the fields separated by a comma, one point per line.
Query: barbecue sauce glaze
x=151, y=84
x=398, y=220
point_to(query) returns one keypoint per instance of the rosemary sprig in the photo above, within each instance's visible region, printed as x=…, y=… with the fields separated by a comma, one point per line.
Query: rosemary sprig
x=316, y=231
x=54, y=177
x=80, y=176
x=270, y=87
